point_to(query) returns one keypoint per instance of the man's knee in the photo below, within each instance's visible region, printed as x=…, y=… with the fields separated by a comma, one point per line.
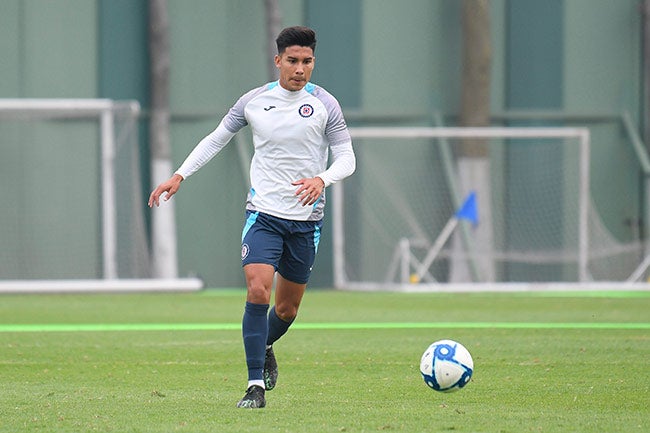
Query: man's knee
x=286, y=311
x=259, y=282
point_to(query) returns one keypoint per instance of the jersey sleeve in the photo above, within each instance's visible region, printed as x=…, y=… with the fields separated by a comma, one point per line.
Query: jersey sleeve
x=336, y=130
x=207, y=148
x=343, y=164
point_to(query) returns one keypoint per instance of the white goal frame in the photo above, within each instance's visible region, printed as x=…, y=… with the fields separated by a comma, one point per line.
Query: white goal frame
x=582, y=135
x=104, y=111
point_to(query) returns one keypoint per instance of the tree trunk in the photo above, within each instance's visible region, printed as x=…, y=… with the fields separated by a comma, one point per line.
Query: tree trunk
x=477, y=56
x=164, y=258
x=474, y=162
x=273, y=23
x=645, y=115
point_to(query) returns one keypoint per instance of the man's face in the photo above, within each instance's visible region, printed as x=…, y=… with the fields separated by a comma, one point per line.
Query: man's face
x=296, y=64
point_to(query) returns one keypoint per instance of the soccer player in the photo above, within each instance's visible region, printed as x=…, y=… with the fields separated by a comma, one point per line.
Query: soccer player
x=295, y=125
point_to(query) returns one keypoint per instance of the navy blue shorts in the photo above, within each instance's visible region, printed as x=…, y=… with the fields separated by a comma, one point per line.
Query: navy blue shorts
x=289, y=246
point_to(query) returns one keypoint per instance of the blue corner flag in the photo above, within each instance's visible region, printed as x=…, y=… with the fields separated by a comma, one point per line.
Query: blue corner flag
x=468, y=210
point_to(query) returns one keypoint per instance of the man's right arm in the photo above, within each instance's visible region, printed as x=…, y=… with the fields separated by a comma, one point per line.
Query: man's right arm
x=205, y=150
x=170, y=186
x=202, y=153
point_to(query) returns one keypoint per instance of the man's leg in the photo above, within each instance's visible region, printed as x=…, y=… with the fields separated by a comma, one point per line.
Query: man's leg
x=288, y=296
x=294, y=269
x=259, y=280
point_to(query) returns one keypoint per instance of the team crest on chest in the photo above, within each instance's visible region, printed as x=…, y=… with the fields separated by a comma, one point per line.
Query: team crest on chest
x=306, y=110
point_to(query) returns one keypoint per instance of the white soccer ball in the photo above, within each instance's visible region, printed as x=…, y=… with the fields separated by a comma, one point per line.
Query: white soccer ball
x=446, y=366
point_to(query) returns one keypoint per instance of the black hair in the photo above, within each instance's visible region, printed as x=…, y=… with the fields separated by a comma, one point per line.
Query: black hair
x=297, y=35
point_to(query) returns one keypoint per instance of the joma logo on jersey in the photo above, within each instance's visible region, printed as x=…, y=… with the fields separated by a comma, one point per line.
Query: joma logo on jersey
x=306, y=110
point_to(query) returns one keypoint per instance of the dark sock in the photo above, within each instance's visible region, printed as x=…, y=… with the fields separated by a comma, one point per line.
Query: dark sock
x=255, y=331
x=277, y=327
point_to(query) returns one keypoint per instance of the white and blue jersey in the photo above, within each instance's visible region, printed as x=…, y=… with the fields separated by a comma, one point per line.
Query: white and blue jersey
x=293, y=134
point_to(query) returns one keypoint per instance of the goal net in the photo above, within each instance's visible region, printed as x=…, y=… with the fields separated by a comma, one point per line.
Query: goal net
x=73, y=211
x=474, y=209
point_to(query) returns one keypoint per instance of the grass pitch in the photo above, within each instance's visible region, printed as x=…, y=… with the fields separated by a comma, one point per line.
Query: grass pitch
x=563, y=362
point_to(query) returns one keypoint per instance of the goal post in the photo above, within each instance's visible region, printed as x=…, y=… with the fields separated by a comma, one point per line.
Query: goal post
x=537, y=223
x=88, y=231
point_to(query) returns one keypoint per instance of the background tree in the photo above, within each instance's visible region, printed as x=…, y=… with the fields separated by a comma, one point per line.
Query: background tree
x=273, y=23
x=164, y=260
x=474, y=162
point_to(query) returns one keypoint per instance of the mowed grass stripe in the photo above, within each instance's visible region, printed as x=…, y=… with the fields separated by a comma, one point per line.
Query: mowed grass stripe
x=119, y=327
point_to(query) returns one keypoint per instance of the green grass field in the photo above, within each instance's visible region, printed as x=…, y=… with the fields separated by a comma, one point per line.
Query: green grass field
x=175, y=363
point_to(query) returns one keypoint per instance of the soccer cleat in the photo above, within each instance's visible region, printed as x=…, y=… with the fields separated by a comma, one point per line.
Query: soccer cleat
x=254, y=398
x=270, y=369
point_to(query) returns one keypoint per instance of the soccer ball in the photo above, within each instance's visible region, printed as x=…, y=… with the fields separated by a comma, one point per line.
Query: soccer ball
x=446, y=366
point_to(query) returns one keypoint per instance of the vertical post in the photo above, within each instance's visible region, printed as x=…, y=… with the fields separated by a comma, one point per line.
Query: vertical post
x=109, y=218
x=405, y=263
x=583, y=227
x=645, y=116
x=338, y=237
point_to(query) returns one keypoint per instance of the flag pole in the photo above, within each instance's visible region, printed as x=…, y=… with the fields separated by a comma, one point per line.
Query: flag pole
x=435, y=249
x=467, y=211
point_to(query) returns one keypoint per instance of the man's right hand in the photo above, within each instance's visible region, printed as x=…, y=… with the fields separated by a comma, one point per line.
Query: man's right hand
x=170, y=186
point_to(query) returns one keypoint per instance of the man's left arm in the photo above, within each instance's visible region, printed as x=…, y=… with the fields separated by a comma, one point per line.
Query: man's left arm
x=343, y=163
